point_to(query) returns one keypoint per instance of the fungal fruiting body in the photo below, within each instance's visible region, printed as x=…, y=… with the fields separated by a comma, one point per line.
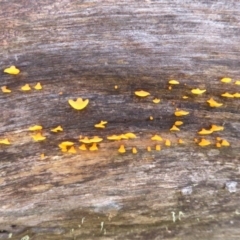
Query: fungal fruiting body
x=93, y=147
x=83, y=147
x=57, y=129
x=101, y=124
x=218, y=144
x=114, y=137
x=79, y=104
x=72, y=149
x=213, y=103
x=178, y=123
x=179, y=113
x=64, y=145
x=158, y=147
x=134, y=150
x=4, y=141
x=205, y=132
x=204, y=142
x=85, y=140
x=174, y=128
x=151, y=118
x=38, y=86
x=156, y=138
x=38, y=137
x=42, y=156
x=198, y=91
x=236, y=95
x=116, y=87
x=95, y=139
x=185, y=97
x=215, y=128
x=226, y=80
x=26, y=87
x=237, y=82
x=156, y=100
x=225, y=143
x=173, y=82
x=228, y=95
x=149, y=149
x=130, y=135
x=180, y=141
x=5, y=89
x=35, y=128
x=142, y=93
x=12, y=70
x=168, y=143
x=121, y=149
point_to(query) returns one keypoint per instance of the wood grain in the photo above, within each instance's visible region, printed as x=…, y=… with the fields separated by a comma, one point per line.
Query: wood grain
x=83, y=49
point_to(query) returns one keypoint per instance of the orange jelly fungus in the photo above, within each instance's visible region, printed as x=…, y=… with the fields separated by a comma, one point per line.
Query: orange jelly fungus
x=205, y=132
x=180, y=141
x=93, y=147
x=4, y=141
x=116, y=86
x=228, y=95
x=35, y=128
x=168, y=143
x=142, y=93
x=5, y=89
x=216, y=128
x=12, y=70
x=134, y=150
x=158, y=147
x=225, y=143
x=173, y=82
x=151, y=118
x=156, y=100
x=218, y=144
x=38, y=86
x=181, y=113
x=72, y=149
x=57, y=129
x=83, y=147
x=38, y=137
x=156, y=138
x=121, y=149
x=149, y=149
x=26, y=87
x=198, y=91
x=226, y=80
x=178, y=123
x=174, y=128
x=213, y=103
x=204, y=142
x=79, y=104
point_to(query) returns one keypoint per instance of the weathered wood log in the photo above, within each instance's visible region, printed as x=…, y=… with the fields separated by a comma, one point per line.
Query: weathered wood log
x=83, y=49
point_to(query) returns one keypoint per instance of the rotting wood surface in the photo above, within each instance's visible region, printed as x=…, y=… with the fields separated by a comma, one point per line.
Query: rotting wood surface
x=83, y=49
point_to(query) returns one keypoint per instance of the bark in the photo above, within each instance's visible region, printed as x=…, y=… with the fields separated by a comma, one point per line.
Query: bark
x=83, y=49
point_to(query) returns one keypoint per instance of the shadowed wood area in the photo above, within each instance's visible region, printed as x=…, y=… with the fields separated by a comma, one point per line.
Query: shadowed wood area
x=104, y=51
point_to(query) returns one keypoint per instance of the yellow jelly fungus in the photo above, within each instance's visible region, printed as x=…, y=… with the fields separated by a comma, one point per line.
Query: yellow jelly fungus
x=156, y=100
x=158, y=147
x=204, y=143
x=85, y=140
x=213, y=103
x=114, y=137
x=174, y=128
x=228, y=95
x=72, y=149
x=226, y=80
x=156, y=138
x=195, y=140
x=79, y=104
x=57, y=129
x=83, y=147
x=168, y=143
x=12, y=70
x=219, y=139
x=134, y=150
x=26, y=87
x=181, y=113
x=142, y=93
x=149, y=149
x=205, y=132
x=237, y=82
x=236, y=95
x=38, y=86
x=151, y=118
x=4, y=141
x=216, y=128
x=122, y=136
x=121, y=149
x=130, y=135
x=99, y=125
x=173, y=82
x=38, y=137
x=66, y=144
x=93, y=147
x=95, y=139
x=5, y=89
x=185, y=97
x=63, y=148
x=225, y=143
x=198, y=91
x=116, y=86
x=42, y=156
x=178, y=123
x=218, y=144
x=180, y=141
x=35, y=128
